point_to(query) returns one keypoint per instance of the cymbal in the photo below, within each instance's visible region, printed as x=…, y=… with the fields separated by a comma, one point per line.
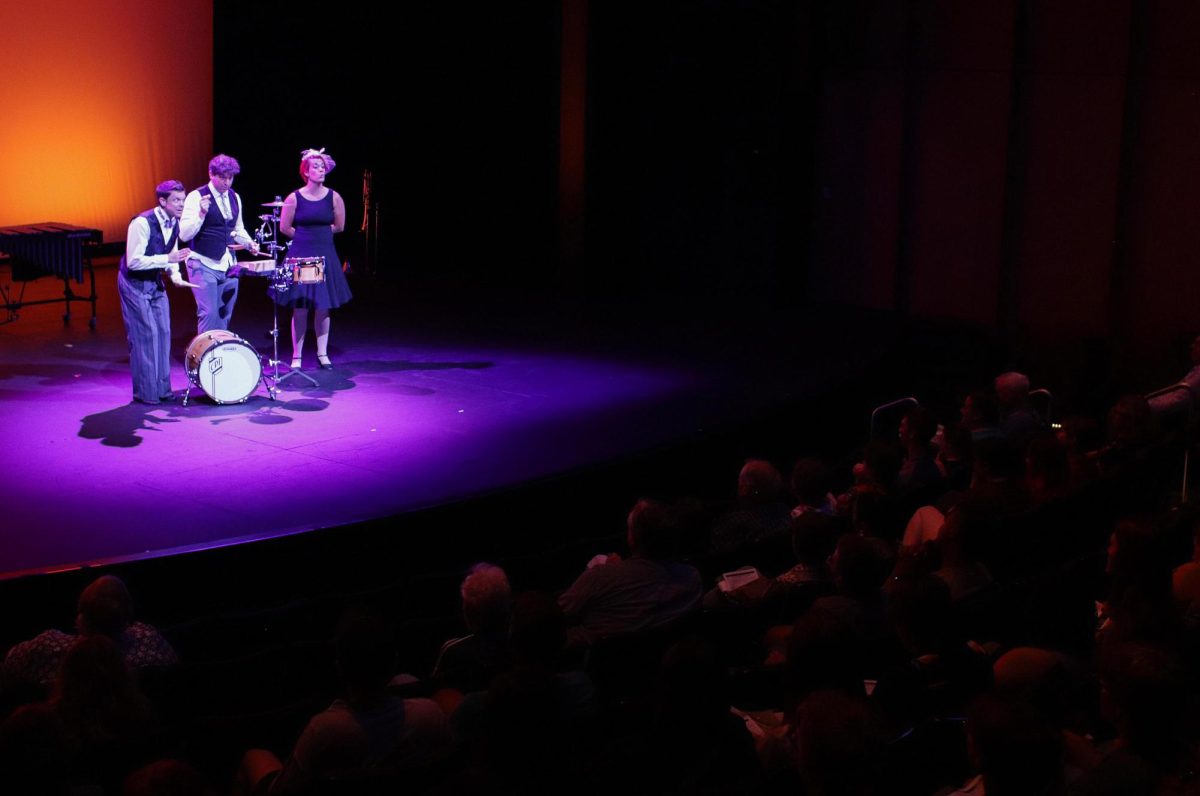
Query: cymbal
x=266, y=217
x=272, y=204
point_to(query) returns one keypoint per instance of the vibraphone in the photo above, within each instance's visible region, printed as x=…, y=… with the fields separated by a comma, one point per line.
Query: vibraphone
x=54, y=248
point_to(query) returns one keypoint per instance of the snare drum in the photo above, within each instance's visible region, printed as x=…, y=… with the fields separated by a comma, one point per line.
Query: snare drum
x=306, y=270
x=224, y=365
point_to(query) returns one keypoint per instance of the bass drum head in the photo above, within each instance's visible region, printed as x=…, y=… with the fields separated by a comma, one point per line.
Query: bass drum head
x=227, y=370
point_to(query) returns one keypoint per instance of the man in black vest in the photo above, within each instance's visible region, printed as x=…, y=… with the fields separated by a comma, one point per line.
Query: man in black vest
x=151, y=247
x=211, y=221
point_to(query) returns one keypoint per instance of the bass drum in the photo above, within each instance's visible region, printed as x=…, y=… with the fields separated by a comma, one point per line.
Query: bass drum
x=224, y=365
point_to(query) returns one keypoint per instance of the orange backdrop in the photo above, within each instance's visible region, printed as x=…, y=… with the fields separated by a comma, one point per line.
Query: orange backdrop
x=100, y=100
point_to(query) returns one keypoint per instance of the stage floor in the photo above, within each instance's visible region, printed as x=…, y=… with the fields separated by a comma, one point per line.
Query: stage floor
x=411, y=416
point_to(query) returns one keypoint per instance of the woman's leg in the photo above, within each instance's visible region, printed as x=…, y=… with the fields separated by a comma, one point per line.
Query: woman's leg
x=321, y=327
x=299, y=326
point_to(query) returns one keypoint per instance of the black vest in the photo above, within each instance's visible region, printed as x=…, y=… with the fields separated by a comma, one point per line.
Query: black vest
x=157, y=243
x=213, y=239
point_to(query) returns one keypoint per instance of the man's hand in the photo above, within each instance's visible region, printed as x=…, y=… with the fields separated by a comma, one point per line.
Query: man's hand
x=179, y=256
x=205, y=203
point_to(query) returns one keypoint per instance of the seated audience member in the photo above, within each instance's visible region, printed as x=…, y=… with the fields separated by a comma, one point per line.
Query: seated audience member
x=105, y=609
x=875, y=513
x=879, y=467
x=166, y=778
x=1185, y=584
x=1016, y=750
x=1047, y=470
x=942, y=671
x=95, y=729
x=957, y=546
x=1130, y=430
x=739, y=616
x=645, y=591
x=998, y=493
x=1080, y=436
x=1149, y=698
x=999, y=478
x=860, y=566
x=810, y=488
x=1138, y=605
x=840, y=746
x=761, y=516
x=469, y=663
x=919, y=473
x=365, y=730
x=980, y=416
x=954, y=457
x=1178, y=402
x=699, y=745
x=924, y=527
x=1060, y=689
x=814, y=537
x=1019, y=421
x=521, y=729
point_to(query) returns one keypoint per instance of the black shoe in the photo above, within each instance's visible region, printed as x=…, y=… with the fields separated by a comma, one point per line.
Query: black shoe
x=324, y=362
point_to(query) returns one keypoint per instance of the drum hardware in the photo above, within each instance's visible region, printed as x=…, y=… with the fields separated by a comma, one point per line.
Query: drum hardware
x=281, y=279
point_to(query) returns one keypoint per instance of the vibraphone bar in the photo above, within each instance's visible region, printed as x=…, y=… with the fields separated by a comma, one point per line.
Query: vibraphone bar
x=54, y=248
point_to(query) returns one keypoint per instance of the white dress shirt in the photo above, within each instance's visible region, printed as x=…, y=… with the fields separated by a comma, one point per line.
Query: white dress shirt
x=138, y=236
x=191, y=221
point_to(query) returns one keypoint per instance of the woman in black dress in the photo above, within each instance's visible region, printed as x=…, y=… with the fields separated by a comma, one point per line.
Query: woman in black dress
x=310, y=216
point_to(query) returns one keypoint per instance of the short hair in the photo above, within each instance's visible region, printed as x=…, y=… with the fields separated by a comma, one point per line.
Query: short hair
x=311, y=154
x=759, y=478
x=165, y=189
x=840, y=744
x=105, y=607
x=223, y=166
x=1019, y=750
x=1011, y=386
x=653, y=531
x=487, y=598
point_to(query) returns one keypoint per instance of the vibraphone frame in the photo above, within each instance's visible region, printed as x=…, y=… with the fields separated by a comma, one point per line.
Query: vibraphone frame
x=51, y=248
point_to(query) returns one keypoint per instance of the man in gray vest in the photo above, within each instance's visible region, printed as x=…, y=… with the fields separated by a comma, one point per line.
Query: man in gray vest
x=151, y=248
x=211, y=221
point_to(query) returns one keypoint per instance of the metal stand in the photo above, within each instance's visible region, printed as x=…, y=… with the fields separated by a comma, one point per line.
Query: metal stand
x=280, y=280
x=274, y=361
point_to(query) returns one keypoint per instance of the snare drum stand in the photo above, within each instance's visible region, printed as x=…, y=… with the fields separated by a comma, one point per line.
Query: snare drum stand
x=281, y=280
